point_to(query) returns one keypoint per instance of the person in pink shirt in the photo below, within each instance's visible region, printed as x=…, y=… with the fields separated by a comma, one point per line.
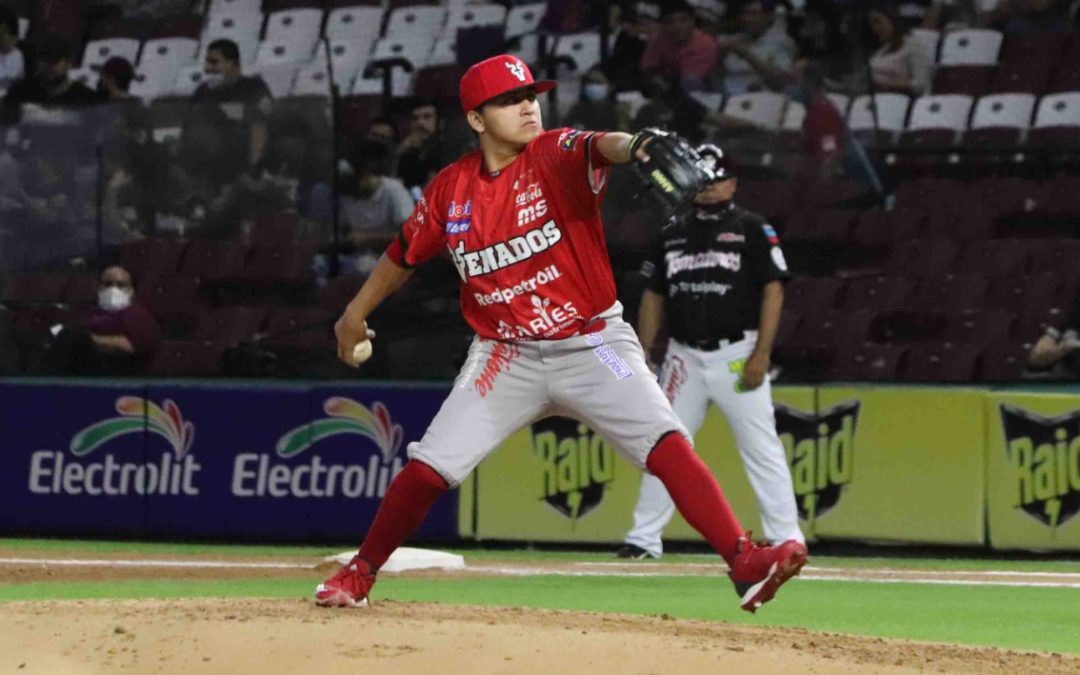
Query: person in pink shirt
x=681, y=51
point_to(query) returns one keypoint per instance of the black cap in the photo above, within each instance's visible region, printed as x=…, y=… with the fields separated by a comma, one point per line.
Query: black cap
x=716, y=161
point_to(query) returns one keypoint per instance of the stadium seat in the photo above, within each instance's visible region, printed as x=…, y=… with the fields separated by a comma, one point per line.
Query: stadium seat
x=907, y=326
x=211, y=261
x=150, y=83
x=827, y=224
x=812, y=296
x=581, y=48
x=97, y=52
x=34, y=289
x=994, y=258
x=347, y=59
x=444, y=53
x=940, y=363
x=937, y=120
x=86, y=76
x=928, y=40
x=524, y=19
x=80, y=291
x=1067, y=75
x=892, y=111
x=950, y=293
x=962, y=223
x=837, y=331
x=1003, y=363
x=764, y=108
x=301, y=327
x=841, y=101
x=440, y=82
x=230, y=325
x=312, y=80
x=525, y=47
x=355, y=23
x=296, y=27
x=968, y=80
x=419, y=22
x=281, y=263
x=188, y=80
x=174, y=301
x=878, y=293
x=922, y=258
x=356, y=112
x=970, y=47
x=1000, y=121
x=470, y=16
x=24, y=27
x=148, y=259
x=773, y=199
x=1057, y=122
x=234, y=7
x=868, y=362
x=1028, y=61
x=980, y=328
x=877, y=231
x=186, y=358
x=160, y=64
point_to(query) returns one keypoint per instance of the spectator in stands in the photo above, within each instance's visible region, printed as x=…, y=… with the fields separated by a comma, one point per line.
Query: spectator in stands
x=596, y=109
x=12, y=62
x=51, y=85
x=680, y=50
x=118, y=337
x=762, y=53
x=380, y=203
x=385, y=130
x=899, y=64
x=116, y=76
x=225, y=131
x=1030, y=16
x=422, y=153
x=637, y=26
x=1058, y=350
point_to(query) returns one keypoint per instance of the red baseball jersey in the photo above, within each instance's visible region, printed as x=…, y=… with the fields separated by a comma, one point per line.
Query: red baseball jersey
x=527, y=240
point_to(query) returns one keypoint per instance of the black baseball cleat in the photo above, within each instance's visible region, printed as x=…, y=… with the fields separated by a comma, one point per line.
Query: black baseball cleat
x=632, y=552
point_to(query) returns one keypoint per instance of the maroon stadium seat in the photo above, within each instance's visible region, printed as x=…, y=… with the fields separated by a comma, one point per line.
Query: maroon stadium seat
x=356, y=112
x=174, y=301
x=940, y=363
x=774, y=199
x=950, y=293
x=920, y=258
x=979, y=328
x=1005, y=363
x=877, y=231
x=812, y=295
x=80, y=291
x=186, y=358
x=962, y=224
x=150, y=259
x=871, y=362
x=994, y=258
x=301, y=327
x=35, y=288
x=908, y=326
x=281, y=262
x=1067, y=75
x=230, y=325
x=878, y=293
x=214, y=260
x=969, y=80
x=838, y=331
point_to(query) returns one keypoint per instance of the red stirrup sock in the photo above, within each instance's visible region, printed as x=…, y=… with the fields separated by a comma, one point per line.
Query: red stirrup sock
x=696, y=493
x=407, y=502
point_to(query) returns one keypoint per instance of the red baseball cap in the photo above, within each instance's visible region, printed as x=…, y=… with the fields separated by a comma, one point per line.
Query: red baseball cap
x=495, y=76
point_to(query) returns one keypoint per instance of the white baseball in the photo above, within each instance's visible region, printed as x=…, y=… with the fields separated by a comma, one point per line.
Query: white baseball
x=362, y=351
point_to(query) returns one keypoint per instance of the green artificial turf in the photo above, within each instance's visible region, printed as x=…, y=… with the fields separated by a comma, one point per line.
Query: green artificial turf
x=1042, y=619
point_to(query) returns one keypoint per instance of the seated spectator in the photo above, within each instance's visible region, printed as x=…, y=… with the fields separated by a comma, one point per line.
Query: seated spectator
x=116, y=76
x=12, y=62
x=422, y=152
x=762, y=53
x=596, y=109
x=118, y=337
x=899, y=65
x=680, y=50
x=385, y=130
x=380, y=203
x=50, y=85
x=1057, y=352
x=637, y=26
x=225, y=130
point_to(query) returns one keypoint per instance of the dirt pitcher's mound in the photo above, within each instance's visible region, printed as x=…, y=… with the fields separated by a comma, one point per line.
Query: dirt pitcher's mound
x=294, y=636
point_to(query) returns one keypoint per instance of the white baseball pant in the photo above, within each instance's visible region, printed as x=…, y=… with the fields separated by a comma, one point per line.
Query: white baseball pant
x=691, y=378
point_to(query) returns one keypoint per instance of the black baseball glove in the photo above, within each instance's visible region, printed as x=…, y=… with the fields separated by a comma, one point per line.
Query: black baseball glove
x=674, y=169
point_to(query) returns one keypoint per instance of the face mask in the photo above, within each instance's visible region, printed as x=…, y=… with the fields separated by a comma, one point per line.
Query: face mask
x=595, y=91
x=214, y=80
x=113, y=299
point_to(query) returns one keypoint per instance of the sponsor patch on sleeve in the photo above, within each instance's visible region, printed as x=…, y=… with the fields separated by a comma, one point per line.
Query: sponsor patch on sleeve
x=569, y=139
x=770, y=234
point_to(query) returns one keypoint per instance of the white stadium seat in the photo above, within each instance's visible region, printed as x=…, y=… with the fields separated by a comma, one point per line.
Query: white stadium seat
x=275, y=53
x=360, y=24
x=188, y=80
x=582, y=48
x=1058, y=110
x=524, y=19
x=279, y=77
x=347, y=56
x=526, y=48
x=841, y=101
x=928, y=40
x=415, y=22
x=87, y=76
x=243, y=29
x=296, y=26
x=711, y=100
x=1003, y=110
x=794, y=114
x=153, y=82
x=471, y=16
x=312, y=80
x=971, y=47
x=97, y=52
x=234, y=7
x=941, y=111
x=445, y=52
x=24, y=27
x=763, y=108
x=891, y=114
x=416, y=50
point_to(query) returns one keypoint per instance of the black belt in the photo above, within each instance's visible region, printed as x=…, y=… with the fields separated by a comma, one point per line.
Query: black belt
x=713, y=344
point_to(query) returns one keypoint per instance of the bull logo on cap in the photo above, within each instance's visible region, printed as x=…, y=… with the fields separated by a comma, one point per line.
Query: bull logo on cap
x=516, y=69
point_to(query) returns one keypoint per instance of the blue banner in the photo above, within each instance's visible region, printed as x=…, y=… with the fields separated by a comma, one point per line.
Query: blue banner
x=280, y=462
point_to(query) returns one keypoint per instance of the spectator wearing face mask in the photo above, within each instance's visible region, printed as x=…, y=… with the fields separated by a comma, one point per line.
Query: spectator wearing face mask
x=118, y=337
x=596, y=109
x=225, y=131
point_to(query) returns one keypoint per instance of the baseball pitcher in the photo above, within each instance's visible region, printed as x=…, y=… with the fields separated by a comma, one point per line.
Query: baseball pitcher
x=718, y=277
x=520, y=218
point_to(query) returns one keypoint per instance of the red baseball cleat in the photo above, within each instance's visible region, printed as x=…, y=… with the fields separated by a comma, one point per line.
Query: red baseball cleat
x=760, y=570
x=348, y=588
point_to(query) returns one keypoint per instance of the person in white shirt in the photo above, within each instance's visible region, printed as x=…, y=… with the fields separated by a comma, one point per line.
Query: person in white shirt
x=763, y=51
x=12, y=64
x=900, y=64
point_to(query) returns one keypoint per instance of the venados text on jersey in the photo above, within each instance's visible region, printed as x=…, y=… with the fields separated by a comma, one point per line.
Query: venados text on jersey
x=676, y=262
x=505, y=253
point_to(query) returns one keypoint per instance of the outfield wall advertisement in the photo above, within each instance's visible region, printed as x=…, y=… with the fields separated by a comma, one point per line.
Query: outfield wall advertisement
x=282, y=462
